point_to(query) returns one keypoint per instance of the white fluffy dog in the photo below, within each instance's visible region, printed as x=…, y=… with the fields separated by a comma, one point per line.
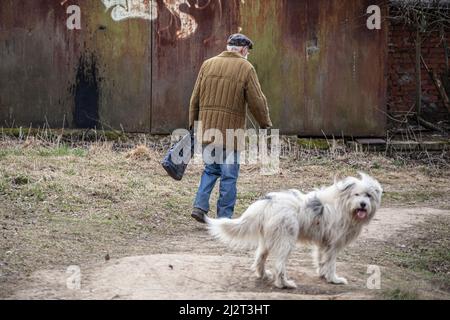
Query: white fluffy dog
x=329, y=218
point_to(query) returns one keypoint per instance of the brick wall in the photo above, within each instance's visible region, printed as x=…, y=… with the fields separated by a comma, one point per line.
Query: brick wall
x=402, y=73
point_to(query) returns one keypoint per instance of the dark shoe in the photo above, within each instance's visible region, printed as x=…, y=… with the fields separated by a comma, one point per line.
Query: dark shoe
x=199, y=215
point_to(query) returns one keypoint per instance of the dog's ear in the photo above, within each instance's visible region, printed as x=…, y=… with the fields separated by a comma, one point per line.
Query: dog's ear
x=346, y=185
x=362, y=175
x=374, y=184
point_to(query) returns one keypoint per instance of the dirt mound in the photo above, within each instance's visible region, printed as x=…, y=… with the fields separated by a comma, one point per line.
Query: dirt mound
x=186, y=274
x=180, y=276
x=141, y=152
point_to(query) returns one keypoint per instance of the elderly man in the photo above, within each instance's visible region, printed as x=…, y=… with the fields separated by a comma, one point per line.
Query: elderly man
x=226, y=85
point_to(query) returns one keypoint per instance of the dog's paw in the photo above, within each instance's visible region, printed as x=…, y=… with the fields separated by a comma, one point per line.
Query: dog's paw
x=268, y=275
x=279, y=284
x=289, y=284
x=286, y=284
x=338, y=280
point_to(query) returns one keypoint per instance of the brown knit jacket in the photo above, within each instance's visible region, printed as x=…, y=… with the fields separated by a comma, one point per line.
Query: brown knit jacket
x=226, y=85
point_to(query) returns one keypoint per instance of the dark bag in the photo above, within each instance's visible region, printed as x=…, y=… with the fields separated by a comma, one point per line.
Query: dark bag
x=175, y=163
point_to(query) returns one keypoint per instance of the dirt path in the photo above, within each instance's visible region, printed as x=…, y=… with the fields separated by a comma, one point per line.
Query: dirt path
x=193, y=266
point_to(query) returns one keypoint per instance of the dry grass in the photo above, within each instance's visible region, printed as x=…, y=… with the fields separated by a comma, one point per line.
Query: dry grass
x=140, y=153
x=66, y=202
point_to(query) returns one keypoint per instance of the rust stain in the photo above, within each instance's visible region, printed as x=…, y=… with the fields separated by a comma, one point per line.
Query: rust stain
x=86, y=93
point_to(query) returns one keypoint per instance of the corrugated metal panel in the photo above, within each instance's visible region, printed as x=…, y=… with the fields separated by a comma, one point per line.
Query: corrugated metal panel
x=321, y=68
x=99, y=75
x=183, y=38
x=134, y=62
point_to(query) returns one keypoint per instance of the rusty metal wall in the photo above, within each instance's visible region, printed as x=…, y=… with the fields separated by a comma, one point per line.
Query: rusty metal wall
x=97, y=76
x=134, y=62
x=182, y=40
x=321, y=68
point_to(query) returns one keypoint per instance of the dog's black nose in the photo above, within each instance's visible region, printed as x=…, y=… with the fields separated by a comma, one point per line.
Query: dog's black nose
x=363, y=205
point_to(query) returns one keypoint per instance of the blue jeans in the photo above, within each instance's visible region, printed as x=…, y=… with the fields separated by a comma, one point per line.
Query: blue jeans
x=228, y=174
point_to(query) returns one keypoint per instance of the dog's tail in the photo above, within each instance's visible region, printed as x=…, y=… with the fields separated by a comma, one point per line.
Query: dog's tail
x=239, y=233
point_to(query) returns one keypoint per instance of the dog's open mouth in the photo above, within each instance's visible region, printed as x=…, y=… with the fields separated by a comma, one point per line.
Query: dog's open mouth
x=361, y=214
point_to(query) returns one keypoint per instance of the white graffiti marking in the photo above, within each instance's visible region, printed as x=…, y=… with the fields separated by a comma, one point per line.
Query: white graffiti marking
x=127, y=9
x=188, y=23
x=148, y=9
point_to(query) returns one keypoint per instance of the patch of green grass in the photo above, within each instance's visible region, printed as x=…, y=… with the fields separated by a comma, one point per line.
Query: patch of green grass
x=36, y=192
x=114, y=135
x=400, y=294
x=10, y=152
x=399, y=163
x=431, y=261
x=104, y=195
x=319, y=144
x=21, y=180
x=62, y=151
x=56, y=187
x=66, y=135
x=376, y=165
x=171, y=204
x=428, y=254
x=3, y=186
x=79, y=152
x=248, y=196
x=70, y=172
x=136, y=184
x=17, y=132
x=414, y=197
